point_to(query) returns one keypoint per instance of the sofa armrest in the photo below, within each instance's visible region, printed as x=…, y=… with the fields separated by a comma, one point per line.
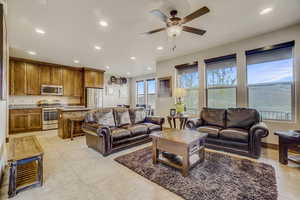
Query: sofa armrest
x=98, y=130
x=193, y=123
x=155, y=120
x=259, y=130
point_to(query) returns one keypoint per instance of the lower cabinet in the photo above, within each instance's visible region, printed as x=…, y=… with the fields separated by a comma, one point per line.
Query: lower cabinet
x=25, y=120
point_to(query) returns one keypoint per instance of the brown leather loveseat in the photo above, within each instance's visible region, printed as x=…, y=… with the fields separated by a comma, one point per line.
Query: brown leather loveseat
x=236, y=130
x=109, y=130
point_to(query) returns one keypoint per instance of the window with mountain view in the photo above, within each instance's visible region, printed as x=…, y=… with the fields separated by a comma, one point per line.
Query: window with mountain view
x=188, y=78
x=221, y=81
x=151, y=93
x=270, y=83
x=140, y=92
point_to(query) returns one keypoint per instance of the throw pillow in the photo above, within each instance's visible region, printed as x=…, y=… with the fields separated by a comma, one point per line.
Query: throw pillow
x=140, y=116
x=105, y=118
x=122, y=118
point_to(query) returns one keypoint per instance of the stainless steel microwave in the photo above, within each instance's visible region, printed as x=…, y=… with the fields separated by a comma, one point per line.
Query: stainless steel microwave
x=56, y=90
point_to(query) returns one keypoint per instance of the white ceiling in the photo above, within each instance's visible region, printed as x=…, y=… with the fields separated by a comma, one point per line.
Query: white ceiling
x=72, y=29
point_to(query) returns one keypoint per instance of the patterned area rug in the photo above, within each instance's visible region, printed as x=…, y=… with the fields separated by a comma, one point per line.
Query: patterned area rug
x=220, y=177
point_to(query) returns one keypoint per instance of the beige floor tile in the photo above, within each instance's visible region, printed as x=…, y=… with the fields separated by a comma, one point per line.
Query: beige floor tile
x=74, y=172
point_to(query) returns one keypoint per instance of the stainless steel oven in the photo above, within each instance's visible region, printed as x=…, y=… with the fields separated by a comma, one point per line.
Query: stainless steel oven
x=56, y=90
x=50, y=118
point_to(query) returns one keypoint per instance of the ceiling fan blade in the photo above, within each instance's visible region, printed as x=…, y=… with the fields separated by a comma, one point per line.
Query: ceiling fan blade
x=194, y=30
x=159, y=14
x=194, y=15
x=155, y=31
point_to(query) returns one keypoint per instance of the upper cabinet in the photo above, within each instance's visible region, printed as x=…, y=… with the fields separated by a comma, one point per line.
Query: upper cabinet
x=51, y=75
x=33, y=79
x=18, y=78
x=93, y=78
x=27, y=77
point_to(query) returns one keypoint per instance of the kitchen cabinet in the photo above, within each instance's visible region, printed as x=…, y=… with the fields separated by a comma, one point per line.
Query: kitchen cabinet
x=78, y=84
x=68, y=82
x=33, y=79
x=51, y=75
x=93, y=78
x=18, y=78
x=56, y=76
x=25, y=120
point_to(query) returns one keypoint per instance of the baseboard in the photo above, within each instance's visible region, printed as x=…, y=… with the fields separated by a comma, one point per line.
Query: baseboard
x=276, y=147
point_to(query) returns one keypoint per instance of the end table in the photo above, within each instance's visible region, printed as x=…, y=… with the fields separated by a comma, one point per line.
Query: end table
x=182, y=119
x=287, y=140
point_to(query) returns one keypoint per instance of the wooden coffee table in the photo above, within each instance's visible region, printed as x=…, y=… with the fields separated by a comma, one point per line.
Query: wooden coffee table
x=188, y=145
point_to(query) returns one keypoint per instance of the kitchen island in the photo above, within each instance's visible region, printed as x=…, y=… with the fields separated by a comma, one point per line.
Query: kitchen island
x=63, y=120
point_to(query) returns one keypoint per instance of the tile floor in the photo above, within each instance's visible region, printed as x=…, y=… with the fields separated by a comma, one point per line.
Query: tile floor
x=72, y=172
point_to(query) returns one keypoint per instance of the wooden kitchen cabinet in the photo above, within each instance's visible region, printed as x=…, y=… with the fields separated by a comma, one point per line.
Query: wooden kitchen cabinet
x=68, y=81
x=18, y=78
x=93, y=78
x=51, y=75
x=56, y=76
x=25, y=120
x=78, y=84
x=33, y=79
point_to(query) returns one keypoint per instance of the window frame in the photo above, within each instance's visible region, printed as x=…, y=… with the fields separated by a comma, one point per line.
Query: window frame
x=293, y=87
x=218, y=59
x=146, y=88
x=137, y=93
x=179, y=67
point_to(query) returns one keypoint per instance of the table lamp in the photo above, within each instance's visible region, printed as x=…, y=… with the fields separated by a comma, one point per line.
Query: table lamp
x=179, y=93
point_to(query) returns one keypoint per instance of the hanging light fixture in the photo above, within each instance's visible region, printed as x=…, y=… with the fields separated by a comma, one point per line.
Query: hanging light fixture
x=174, y=31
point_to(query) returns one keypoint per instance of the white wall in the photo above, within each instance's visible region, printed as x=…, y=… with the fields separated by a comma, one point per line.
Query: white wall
x=112, y=100
x=3, y=102
x=166, y=68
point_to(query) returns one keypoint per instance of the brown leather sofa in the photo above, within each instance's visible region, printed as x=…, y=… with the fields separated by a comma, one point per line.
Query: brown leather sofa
x=235, y=130
x=109, y=130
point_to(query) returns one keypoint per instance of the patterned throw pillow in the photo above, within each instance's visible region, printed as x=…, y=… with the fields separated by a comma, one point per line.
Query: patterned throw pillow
x=140, y=116
x=122, y=118
x=105, y=118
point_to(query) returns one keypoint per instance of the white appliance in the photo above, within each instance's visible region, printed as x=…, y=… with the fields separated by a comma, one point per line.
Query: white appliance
x=94, y=97
x=56, y=90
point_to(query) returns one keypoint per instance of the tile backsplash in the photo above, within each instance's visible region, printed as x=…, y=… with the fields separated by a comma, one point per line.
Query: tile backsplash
x=22, y=100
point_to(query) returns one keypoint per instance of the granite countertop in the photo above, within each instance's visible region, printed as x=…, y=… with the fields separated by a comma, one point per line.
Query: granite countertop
x=25, y=106
x=74, y=108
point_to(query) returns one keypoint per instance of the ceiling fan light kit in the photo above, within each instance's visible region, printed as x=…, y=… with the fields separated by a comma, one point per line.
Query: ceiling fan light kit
x=174, y=24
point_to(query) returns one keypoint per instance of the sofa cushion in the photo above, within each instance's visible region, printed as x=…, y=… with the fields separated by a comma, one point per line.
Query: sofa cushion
x=105, y=118
x=137, y=129
x=242, y=118
x=212, y=131
x=152, y=127
x=214, y=117
x=119, y=134
x=137, y=115
x=122, y=117
x=235, y=134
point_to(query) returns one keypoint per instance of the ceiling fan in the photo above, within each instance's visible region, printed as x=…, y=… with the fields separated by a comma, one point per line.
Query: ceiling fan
x=175, y=25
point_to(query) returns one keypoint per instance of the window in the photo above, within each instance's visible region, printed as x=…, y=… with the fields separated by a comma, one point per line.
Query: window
x=221, y=81
x=140, y=92
x=151, y=93
x=270, y=82
x=188, y=78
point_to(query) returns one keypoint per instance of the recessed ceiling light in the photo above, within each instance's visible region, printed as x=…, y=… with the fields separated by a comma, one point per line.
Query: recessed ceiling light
x=149, y=68
x=133, y=58
x=266, y=11
x=31, y=52
x=40, y=31
x=160, y=48
x=103, y=23
x=107, y=67
x=76, y=61
x=128, y=73
x=97, y=47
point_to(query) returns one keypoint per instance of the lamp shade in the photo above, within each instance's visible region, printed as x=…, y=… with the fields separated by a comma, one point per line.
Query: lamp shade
x=179, y=92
